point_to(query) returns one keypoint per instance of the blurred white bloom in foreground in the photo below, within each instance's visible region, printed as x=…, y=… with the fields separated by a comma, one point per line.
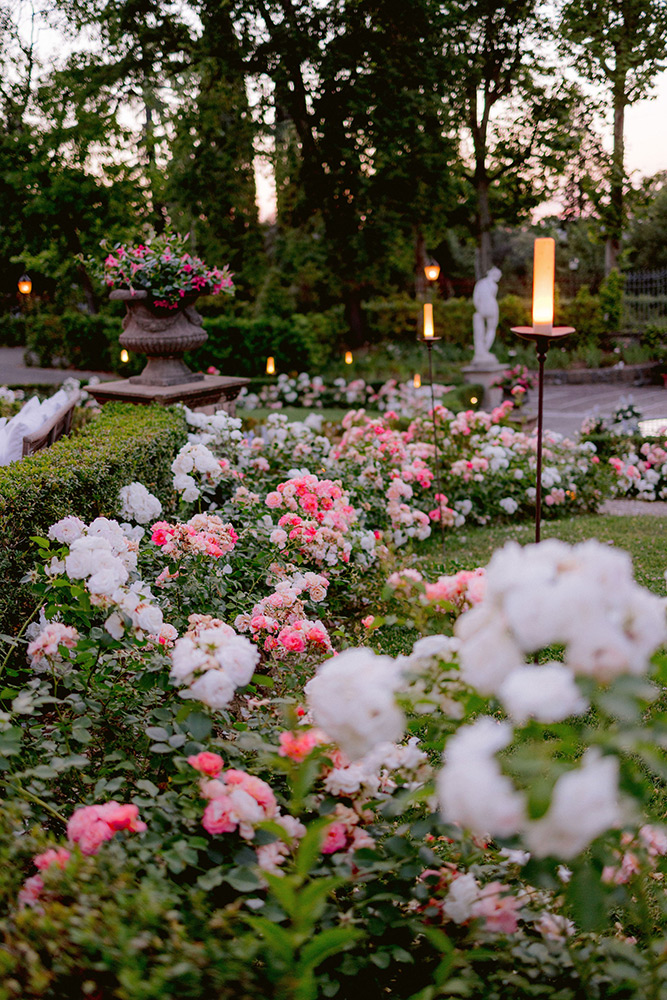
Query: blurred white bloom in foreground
x=472, y=789
x=584, y=804
x=352, y=697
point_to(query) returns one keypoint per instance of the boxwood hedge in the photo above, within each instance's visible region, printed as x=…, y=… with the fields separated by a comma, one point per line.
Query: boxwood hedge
x=80, y=475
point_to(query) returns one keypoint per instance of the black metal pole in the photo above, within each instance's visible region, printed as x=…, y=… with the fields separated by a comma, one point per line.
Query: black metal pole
x=438, y=477
x=542, y=345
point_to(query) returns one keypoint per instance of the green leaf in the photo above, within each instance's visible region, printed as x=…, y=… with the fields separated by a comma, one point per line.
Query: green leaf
x=587, y=896
x=276, y=937
x=210, y=880
x=157, y=733
x=310, y=846
x=328, y=943
x=198, y=725
x=144, y=785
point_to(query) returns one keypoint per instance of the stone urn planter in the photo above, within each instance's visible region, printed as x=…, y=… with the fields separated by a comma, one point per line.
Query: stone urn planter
x=163, y=335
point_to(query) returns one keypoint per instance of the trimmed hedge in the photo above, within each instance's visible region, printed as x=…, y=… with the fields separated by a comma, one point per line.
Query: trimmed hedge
x=80, y=475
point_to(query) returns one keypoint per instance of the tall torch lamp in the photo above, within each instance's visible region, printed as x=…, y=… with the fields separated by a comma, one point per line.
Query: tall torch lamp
x=543, y=333
x=432, y=272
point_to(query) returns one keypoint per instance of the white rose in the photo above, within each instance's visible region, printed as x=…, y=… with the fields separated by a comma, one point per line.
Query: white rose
x=352, y=697
x=584, y=804
x=547, y=693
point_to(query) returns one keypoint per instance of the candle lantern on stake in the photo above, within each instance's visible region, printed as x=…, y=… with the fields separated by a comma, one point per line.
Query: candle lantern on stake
x=270, y=366
x=429, y=339
x=348, y=357
x=542, y=332
x=25, y=284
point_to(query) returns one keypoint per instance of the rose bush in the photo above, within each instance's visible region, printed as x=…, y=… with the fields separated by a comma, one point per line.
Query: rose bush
x=210, y=788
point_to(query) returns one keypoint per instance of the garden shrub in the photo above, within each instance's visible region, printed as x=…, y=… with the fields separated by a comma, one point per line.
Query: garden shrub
x=12, y=330
x=397, y=319
x=240, y=346
x=584, y=313
x=80, y=475
x=611, y=301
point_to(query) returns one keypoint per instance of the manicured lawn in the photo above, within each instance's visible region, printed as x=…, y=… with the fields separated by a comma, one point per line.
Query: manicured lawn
x=644, y=537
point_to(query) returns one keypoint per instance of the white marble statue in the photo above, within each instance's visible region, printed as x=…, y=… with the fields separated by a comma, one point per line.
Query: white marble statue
x=485, y=319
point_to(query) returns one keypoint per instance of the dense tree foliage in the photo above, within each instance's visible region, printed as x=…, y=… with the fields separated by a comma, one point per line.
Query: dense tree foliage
x=394, y=131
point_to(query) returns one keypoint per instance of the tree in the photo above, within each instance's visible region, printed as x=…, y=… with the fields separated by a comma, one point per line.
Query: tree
x=210, y=182
x=647, y=231
x=622, y=45
x=358, y=93
x=515, y=119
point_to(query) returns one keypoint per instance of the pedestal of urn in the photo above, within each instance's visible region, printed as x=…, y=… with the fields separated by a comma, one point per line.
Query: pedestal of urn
x=163, y=335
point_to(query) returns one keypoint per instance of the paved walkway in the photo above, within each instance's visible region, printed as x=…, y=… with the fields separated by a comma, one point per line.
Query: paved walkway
x=15, y=373
x=565, y=406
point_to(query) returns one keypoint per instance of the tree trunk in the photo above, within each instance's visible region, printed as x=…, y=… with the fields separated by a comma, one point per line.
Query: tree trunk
x=484, y=260
x=615, y=225
x=355, y=316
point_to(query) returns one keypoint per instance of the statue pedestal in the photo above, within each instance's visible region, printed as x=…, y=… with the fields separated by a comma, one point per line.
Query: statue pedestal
x=484, y=372
x=218, y=391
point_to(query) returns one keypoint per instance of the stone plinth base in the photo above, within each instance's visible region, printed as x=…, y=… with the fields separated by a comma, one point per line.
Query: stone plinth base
x=211, y=390
x=484, y=373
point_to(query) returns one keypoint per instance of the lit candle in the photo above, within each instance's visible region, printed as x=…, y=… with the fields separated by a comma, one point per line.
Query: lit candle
x=348, y=357
x=270, y=366
x=544, y=264
x=417, y=381
x=428, y=321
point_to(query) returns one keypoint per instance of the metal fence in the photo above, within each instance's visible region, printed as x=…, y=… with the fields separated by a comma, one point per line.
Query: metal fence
x=645, y=300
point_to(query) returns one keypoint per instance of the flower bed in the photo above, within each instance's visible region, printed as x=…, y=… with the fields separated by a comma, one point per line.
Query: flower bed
x=212, y=789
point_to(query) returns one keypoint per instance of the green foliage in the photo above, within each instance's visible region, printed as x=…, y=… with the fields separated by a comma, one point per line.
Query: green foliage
x=583, y=312
x=75, y=339
x=611, y=301
x=240, y=346
x=81, y=475
x=12, y=330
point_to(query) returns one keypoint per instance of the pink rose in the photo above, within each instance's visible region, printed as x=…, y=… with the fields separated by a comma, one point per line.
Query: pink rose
x=207, y=763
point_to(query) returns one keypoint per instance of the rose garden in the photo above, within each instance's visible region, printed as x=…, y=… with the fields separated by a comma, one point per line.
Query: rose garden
x=325, y=669
x=259, y=740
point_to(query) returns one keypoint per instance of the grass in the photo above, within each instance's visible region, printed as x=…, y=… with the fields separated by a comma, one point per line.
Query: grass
x=643, y=536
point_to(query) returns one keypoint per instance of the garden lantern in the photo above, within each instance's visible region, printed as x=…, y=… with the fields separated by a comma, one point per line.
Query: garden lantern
x=542, y=332
x=25, y=284
x=432, y=270
x=348, y=357
x=417, y=381
x=429, y=338
x=428, y=321
x=270, y=366
x=124, y=356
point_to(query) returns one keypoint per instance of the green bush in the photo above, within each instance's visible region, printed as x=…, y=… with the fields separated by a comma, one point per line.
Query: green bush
x=398, y=319
x=583, y=312
x=80, y=475
x=12, y=330
x=240, y=346
x=79, y=340
x=611, y=301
